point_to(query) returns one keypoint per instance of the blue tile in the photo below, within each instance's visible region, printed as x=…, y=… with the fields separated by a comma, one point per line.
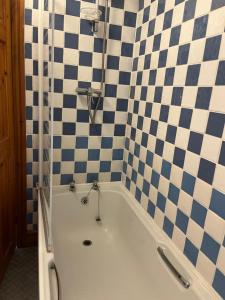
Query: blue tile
x=138, y=194
x=85, y=58
x=210, y=247
x=217, y=203
x=222, y=154
x=98, y=45
x=198, y=213
x=191, y=252
x=67, y=155
x=151, y=208
x=192, y=75
x=118, y=4
x=177, y=96
x=58, y=55
x=146, y=187
x=127, y=49
x=149, y=158
x=93, y=154
x=73, y=8
x=168, y=227
x=162, y=58
x=212, y=48
x=164, y=113
x=220, y=79
x=69, y=128
x=203, y=97
x=215, y=126
x=185, y=118
x=182, y=221
x=107, y=143
x=159, y=146
x=119, y=130
x=151, y=28
x=195, y=142
x=169, y=77
x=168, y=19
x=173, y=193
x=161, y=202
x=179, y=157
x=130, y=19
x=156, y=42
x=189, y=10
x=155, y=179
x=59, y=22
x=71, y=40
x=175, y=36
x=171, y=134
x=116, y=176
x=188, y=183
x=115, y=32
x=158, y=94
x=66, y=179
x=146, y=14
x=219, y=281
x=166, y=169
x=86, y=27
x=124, y=78
x=183, y=54
x=81, y=142
x=105, y=166
x=70, y=72
x=117, y=154
x=58, y=86
x=161, y=7
x=217, y=4
x=206, y=170
x=80, y=167
x=200, y=27
x=91, y=177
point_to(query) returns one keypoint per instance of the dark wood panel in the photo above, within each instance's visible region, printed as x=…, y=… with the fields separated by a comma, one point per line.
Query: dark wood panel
x=7, y=146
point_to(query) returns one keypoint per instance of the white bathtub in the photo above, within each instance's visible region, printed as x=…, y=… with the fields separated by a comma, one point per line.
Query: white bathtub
x=123, y=262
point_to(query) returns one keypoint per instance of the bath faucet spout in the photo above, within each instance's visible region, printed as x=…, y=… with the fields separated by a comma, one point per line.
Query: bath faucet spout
x=72, y=186
x=95, y=186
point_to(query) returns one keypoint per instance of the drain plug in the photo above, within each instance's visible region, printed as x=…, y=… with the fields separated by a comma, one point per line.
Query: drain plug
x=87, y=243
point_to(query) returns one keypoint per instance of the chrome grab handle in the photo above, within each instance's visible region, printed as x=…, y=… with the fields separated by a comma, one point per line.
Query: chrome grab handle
x=53, y=267
x=183, y=281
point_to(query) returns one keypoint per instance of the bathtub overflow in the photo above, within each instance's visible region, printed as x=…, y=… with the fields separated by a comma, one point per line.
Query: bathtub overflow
x=87, y=243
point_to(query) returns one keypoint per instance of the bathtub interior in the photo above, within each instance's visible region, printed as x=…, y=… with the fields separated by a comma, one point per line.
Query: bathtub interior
x=122, y=262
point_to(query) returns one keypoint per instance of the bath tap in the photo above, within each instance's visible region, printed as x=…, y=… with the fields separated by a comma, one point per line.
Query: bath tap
x=95, y=186
x=72, y=186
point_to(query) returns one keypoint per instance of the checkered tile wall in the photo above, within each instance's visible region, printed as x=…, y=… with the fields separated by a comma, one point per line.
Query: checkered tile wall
x=175, y=138
x=82, y=151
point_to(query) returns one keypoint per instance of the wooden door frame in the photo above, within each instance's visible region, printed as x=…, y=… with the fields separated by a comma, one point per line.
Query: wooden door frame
x=24, y=239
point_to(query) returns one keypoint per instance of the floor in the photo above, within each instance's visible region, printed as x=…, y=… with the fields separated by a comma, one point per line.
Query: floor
x=21, y=278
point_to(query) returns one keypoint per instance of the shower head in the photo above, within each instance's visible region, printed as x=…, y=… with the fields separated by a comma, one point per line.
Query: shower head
x=91, y=14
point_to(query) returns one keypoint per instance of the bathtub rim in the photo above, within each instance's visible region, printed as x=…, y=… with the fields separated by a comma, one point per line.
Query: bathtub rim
x=201, y=287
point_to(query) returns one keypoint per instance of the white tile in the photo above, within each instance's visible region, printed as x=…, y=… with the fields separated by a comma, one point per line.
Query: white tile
x=205, y=267
x=215, y=226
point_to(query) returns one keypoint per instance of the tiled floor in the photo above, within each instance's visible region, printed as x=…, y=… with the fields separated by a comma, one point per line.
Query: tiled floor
x=21, y=278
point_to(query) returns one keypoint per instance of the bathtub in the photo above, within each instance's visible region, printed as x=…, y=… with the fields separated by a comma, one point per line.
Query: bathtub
x=123, y=257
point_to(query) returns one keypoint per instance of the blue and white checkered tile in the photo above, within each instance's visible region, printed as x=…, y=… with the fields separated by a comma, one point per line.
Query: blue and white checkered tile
x=31, y=67
x=175, y=139
x=77, y=62
x=84, y=151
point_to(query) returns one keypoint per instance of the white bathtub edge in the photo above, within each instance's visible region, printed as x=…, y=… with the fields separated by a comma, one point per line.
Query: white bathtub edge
x=44, y=259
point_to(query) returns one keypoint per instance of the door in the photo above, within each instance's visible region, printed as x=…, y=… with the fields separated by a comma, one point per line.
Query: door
x=7, y=151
